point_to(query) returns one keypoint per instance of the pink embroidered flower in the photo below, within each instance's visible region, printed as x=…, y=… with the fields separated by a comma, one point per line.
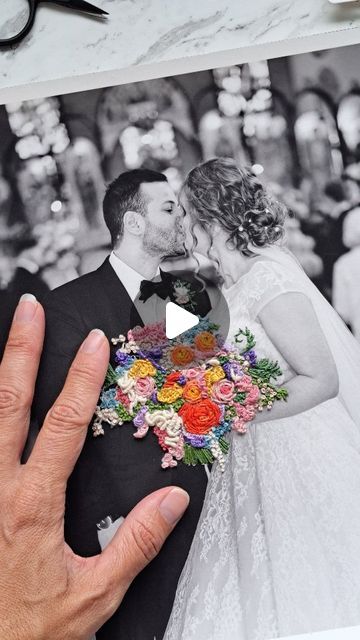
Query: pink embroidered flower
x=191, y=374
x=253, y=395
x=182, y=299
x=223, y=391
x=168, y=461
x=239, y=425
x=244, y=384
x=145, y=386
x=245, y=413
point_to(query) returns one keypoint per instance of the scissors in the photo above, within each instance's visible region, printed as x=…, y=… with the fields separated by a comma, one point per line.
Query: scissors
x=77, y=5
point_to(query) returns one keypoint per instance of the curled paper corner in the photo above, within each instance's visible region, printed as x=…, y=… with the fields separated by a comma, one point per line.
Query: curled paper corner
x=106, y=530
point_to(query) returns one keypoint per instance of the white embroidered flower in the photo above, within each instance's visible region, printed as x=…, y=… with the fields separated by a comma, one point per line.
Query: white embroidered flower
x=169, y=421
x=126, y=382
x=181, y=290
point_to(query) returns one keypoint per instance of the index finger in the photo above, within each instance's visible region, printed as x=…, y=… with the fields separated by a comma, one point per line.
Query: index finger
x=18, y=372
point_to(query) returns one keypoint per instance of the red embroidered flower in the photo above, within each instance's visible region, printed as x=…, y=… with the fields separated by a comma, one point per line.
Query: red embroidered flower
x=172, y=378
x=201, y=416
x=122, y=397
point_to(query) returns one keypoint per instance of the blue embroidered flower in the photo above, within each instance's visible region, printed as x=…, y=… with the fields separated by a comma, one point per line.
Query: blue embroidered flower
x=121, y=370
x=108, y=399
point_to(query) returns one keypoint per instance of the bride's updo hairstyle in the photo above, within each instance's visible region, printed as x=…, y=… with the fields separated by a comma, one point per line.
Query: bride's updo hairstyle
x=218, y=190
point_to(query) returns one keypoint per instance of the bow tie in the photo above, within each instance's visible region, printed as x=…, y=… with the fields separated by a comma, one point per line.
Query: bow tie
x=162, y=288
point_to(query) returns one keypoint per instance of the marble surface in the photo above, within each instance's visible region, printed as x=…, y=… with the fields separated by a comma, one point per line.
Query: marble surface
x=67, y=51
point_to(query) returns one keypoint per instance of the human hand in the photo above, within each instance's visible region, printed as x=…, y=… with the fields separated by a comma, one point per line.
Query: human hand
x=46, y=590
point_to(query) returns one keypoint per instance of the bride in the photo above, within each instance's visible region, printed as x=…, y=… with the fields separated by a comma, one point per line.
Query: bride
x=277, y=548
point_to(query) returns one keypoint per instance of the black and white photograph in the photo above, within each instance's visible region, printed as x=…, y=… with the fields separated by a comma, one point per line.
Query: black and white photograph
x=230, y=196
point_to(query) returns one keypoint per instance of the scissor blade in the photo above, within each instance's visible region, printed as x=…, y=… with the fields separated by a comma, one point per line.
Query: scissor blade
x=81, y=5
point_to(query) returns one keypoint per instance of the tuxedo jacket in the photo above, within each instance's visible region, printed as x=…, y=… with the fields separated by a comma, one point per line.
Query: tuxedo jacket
x=115, y=471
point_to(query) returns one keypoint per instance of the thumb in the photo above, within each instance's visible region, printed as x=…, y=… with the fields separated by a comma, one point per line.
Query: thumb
x=139, y=539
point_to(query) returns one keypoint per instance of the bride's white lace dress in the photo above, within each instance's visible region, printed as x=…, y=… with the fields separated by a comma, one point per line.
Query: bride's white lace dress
x=277, y=549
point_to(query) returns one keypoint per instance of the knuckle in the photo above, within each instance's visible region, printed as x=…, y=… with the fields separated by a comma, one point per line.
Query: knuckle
x=21, y=513
x=145, y=541
x=21, y=344
x=65, y=414
x=83, y=374
x=11, y=398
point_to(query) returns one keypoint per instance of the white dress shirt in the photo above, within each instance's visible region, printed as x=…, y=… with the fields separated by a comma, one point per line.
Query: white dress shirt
x=131, y=280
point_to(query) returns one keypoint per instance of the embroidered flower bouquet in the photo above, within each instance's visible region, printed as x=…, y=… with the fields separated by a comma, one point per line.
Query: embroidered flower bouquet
x=190, y=391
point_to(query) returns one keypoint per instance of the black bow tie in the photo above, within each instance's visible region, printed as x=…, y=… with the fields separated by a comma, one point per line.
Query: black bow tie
x=162, y=288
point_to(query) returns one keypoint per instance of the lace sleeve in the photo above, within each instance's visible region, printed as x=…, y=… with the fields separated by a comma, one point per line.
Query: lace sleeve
x=269, y=280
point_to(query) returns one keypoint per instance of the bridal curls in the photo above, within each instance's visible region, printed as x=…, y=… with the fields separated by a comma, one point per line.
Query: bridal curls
x=219, y=191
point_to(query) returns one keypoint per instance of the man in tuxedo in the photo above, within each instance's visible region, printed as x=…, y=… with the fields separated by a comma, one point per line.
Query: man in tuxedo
x=115, y=471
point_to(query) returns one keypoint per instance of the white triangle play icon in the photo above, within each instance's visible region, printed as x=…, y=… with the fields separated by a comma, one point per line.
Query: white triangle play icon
x=178, y=320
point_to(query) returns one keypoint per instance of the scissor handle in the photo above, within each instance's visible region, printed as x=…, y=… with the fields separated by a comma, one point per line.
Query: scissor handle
x=7, y=42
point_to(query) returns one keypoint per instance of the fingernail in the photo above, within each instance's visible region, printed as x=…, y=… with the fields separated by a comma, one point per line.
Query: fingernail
x=26, y=309
x=174, y=505
x=93, y=341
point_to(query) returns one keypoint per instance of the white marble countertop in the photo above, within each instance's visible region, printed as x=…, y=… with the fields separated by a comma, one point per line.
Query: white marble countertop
x=67, y=51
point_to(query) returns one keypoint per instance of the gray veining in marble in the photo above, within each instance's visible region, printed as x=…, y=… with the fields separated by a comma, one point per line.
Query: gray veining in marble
x=147, y=37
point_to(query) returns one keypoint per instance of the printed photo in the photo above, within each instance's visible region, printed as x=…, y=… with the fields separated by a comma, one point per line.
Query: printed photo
x=209, y=224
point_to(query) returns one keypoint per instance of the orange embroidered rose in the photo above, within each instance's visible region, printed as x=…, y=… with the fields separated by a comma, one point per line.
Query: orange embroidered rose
x=192, y=392
x=200, y=417
x=182, y=355
x=205, y=341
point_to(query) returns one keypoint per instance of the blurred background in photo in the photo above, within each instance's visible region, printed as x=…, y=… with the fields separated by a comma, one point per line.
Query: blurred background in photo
x=297, y=119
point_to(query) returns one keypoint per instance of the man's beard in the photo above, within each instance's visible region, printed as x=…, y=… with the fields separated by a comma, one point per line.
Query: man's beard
x=158, y=242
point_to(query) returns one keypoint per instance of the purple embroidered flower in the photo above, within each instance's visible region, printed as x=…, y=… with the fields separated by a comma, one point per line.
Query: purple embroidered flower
x=194, y=440
x=123, y=358
x=227, y=369
x=155, y=353
x=250, y=356
x=232, y=368
x=154, y=396
x=140, y=417
x=182, y=381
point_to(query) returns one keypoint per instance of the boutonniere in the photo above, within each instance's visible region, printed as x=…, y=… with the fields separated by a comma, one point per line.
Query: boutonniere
x=183, y=294
x=190, y=392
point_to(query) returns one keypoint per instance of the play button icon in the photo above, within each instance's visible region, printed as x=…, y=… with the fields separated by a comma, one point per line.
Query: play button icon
x=181, y=301
x=178, y=320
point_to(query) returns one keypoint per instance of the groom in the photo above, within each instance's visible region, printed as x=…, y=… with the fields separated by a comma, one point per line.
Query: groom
x=115, y=472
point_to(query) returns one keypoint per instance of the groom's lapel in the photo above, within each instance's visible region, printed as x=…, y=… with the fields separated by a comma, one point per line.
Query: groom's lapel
x=121, y=313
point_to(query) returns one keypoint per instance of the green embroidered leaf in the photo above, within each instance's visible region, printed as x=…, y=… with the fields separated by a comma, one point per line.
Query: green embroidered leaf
x=111, y=377
x=249, y=337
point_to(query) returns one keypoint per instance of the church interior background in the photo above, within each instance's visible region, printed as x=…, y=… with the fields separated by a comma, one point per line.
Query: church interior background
x=298, y=118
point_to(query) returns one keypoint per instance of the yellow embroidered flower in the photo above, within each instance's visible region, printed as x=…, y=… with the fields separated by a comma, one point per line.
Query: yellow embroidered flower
x=142, y=369
x=214, y=374
x=170, y=394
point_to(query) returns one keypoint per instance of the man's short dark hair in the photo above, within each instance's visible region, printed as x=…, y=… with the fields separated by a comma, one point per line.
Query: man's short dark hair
x=123, y=195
